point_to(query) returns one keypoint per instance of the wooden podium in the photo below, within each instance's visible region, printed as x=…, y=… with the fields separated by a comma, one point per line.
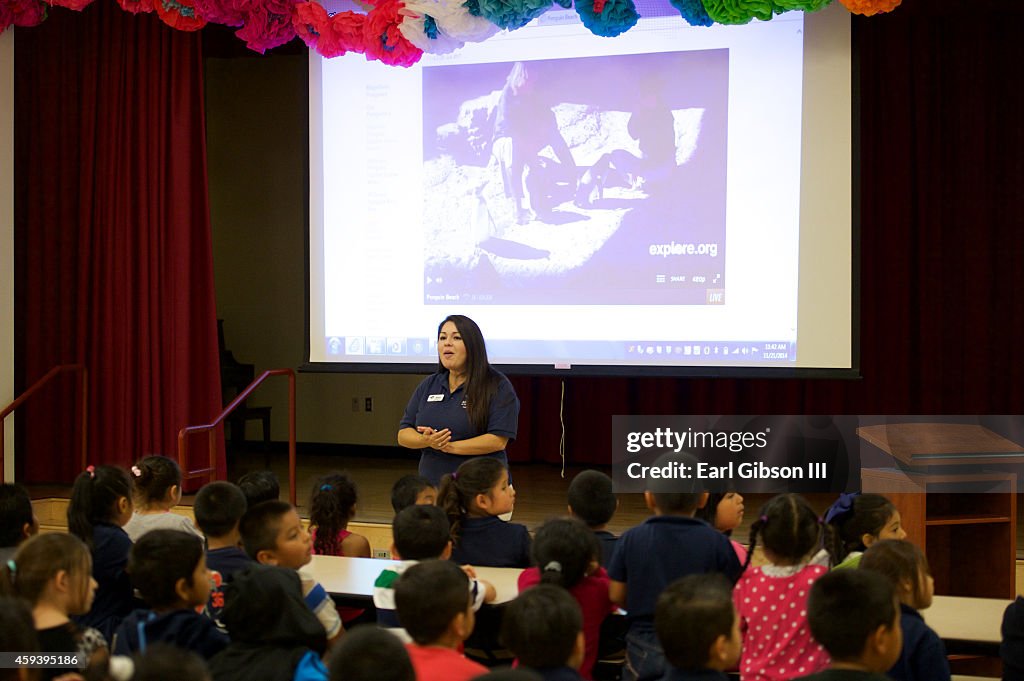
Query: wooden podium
x=955, y=488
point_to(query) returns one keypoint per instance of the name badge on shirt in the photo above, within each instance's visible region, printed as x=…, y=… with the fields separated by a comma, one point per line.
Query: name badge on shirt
x=435, y=398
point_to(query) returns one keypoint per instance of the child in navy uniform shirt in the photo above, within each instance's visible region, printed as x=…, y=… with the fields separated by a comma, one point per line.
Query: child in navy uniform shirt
x=698, y=628
x=100, y=506
x=473, y=497
x=905, y=566
x=219, y=506
x=168, y=568
x=854, y=615
x=649, y=557
x=592, y=501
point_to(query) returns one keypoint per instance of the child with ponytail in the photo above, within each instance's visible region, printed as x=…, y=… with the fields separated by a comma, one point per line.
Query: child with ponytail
x=332, y=505
x=771, y=600
x=157, y=482
x=100, y=506
x=473, y=497
x=53, y=573
x=566, y=553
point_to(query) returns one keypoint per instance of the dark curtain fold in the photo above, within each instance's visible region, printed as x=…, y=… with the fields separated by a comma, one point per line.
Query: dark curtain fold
x=113, y=254
x=941, y=241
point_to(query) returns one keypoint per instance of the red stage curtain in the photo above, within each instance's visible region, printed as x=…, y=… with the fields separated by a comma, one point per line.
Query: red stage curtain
x=941, y=246
x=112, y=235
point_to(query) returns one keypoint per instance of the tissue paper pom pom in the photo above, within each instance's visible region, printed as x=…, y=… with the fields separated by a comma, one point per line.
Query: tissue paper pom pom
x=76, y=5
x=869, y=7
x=693, y=12
x=24, y=13
x=345, y=35
x=383, y=40
x=424, y=24
x=144, y=6
x=310, y=21
x=512, y=14
x=179, y=14
x=607, y=18
x=463, y=22
x=739, y=11
x=268, y=23
x=223, y=12
x=801, y=5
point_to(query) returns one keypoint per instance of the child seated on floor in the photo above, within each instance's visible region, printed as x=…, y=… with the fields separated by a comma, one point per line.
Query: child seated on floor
x=543, y=626
x=642, y=565
x=434, y=605
x=854, y=522
x=259, y=486
x=272, y=534
x=592, y=501
x=410, y=490
x=332, y=504
x=157, y=485
x=905, y=566
x=274, y=636
x=168, y=568
x=218, y=508
x=17, y=519
x=854, y=614
x=420, y=533
x=473, y=497
x=698, y=628
x=369, y=653
x=724, y=512
x=565, y=553
x=53, y=573
x=101, y=504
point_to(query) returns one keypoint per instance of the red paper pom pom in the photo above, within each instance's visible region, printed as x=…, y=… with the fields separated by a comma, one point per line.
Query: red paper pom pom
x=77, y=5
x=384, y=42
x=179, y=14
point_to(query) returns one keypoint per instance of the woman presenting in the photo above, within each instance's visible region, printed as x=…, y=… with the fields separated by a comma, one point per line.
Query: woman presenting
x=465, y=409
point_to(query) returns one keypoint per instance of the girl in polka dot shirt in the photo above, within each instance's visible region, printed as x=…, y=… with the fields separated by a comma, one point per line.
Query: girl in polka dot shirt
x=772, y=599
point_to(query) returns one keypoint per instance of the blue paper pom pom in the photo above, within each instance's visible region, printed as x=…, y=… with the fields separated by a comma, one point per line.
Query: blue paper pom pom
x=512, y=14
x=617, y=16
x=693, y=12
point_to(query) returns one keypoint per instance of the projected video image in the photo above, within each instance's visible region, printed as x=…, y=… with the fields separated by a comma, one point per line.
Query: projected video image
x=595, y=180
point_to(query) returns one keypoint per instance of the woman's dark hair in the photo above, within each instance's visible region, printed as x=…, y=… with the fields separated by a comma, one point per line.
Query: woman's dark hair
x=481, y=380
x=787, y=526
x=563, y=549
x=458, y=490
x=868, y=514
x=94, y=498
x=332, y=504
x=153, y=476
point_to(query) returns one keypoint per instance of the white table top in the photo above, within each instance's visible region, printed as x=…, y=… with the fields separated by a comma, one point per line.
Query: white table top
x=354, y=577
x=958, y=618
x=955, y=618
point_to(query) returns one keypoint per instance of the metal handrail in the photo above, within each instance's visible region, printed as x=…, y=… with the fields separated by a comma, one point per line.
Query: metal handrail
x=210, y=428
x=83, y=406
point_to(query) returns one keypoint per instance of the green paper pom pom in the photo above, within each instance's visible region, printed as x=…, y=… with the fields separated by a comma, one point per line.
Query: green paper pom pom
x=740, y=11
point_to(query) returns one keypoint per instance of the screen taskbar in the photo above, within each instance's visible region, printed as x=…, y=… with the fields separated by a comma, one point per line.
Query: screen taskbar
x=349, y=348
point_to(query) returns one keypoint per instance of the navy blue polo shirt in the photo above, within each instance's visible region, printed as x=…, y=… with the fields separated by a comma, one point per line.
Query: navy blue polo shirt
x=923, y=657
x=433, y=405
x=491, y=542
x=659, y=551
